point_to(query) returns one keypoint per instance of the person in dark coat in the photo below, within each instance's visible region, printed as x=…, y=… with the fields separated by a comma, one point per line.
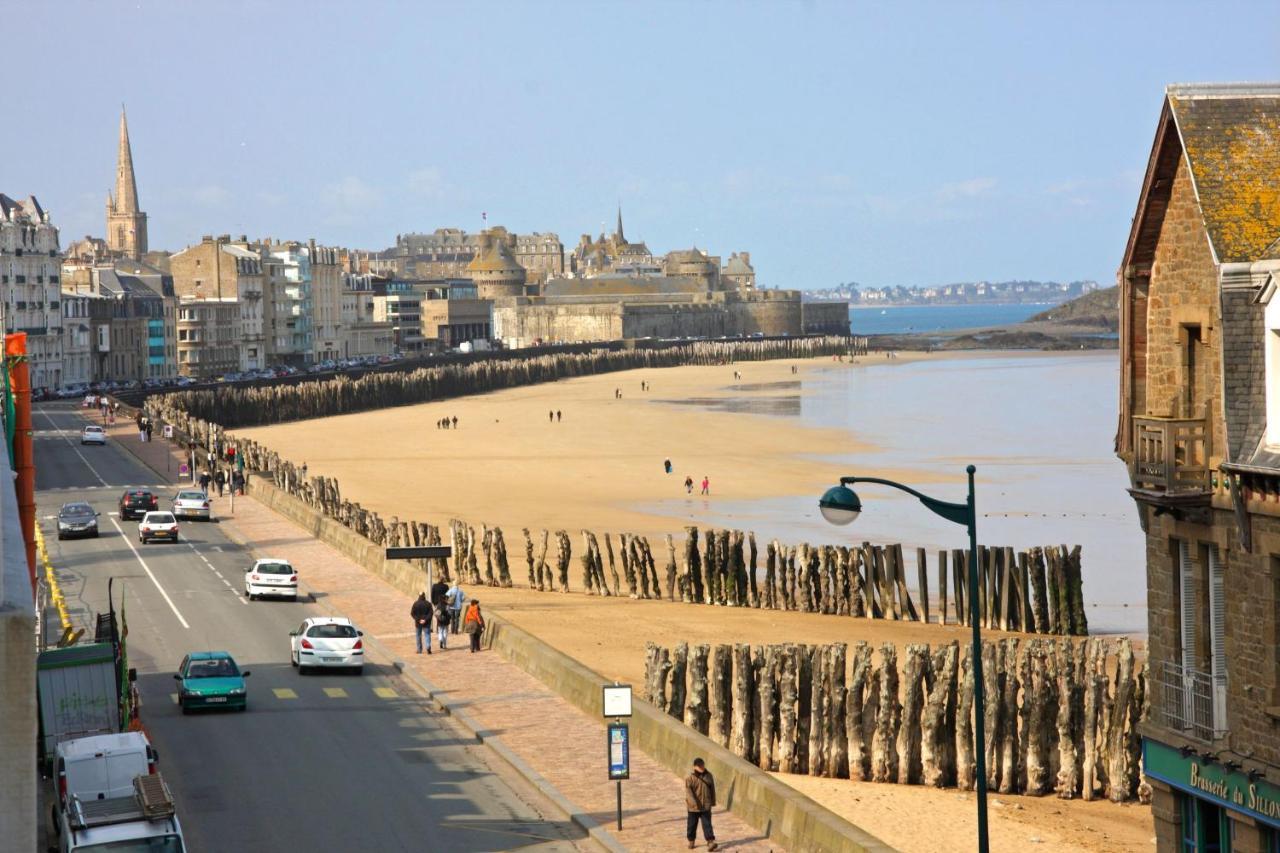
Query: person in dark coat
x=699, y=800
x=439, y=592
x=421, y=613
x=220, y=480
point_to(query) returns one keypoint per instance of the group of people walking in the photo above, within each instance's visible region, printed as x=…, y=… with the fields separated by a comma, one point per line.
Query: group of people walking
x=448, y=609
x=447, y=423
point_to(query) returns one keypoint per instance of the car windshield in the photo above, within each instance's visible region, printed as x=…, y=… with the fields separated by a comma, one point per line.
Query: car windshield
x=77, y=509
x=332, y=632
x=136, y=497
x=191, y=496
x=93, y=429
x=159, y=518
x=275, y=568
x=212, y=668
x=158, y=844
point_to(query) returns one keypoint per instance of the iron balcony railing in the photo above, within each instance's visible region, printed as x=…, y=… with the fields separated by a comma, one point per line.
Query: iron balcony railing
x=1191, y=702
x=1171, y=454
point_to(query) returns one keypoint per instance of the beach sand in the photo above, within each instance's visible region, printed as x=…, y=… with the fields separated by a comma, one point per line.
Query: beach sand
x=507, y=465
x=596, y=469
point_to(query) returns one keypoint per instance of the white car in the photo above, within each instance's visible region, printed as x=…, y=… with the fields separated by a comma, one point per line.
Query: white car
x=158, y=525
x=271, y=577
x=326, y=641
x=93, y=435
x=191, y=503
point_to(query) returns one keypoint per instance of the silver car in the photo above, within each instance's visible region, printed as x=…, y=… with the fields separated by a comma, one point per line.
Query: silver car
x=191, y=503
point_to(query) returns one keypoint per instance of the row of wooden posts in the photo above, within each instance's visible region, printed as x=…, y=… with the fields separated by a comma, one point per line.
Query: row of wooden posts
x=237, y=405
x=1061, y=715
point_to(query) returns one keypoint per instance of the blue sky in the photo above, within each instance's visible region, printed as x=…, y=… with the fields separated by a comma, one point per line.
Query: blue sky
x=894, y=143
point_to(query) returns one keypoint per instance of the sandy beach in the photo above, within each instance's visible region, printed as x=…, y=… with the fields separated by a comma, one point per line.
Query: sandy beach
x=509, y=464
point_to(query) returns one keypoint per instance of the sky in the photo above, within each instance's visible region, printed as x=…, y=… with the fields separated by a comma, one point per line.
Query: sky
x=882, y=143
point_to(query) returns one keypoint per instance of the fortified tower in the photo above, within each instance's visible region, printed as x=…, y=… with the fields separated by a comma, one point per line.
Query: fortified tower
x=126, y=224
x=494, y=270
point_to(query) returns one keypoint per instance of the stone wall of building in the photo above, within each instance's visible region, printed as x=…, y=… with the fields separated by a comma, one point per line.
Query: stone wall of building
x=825, y=318
x=523, y=321
x=766, y=312
x=1184, y=291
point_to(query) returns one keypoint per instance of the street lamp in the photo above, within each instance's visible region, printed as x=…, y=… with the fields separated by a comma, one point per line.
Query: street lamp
x=840, y=505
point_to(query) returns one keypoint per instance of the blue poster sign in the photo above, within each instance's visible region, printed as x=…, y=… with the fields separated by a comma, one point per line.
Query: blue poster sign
x=619, y=752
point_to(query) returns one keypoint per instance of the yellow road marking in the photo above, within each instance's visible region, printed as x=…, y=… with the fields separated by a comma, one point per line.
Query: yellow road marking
x=335, y=693
x=284, y=693
x=384, y=693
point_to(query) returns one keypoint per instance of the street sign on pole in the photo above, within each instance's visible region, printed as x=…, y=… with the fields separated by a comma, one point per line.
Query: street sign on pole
x=617, y=700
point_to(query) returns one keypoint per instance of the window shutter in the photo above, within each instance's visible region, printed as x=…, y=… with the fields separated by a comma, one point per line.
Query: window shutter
x=1187, y=590
x=1217, y=628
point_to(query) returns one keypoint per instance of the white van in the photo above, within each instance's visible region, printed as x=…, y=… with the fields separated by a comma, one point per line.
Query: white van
x=102, y=767
x=144, y=820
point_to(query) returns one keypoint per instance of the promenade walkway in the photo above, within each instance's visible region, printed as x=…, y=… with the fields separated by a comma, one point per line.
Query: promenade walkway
x=555, y=739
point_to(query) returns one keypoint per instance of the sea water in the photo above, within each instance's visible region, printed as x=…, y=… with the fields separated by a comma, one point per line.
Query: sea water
x=1039, y=428
x=868, y=320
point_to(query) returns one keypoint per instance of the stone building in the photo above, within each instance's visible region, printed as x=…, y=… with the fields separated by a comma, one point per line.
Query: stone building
x=359, y=334
x=30, y=272
x=77, y=339
x=326, y=301
x=131, y=319
x=612, y=254
x=494, y=269
x=220, y=269
x=447, y=252
x=289, y=290
x=694, y=263
x=453, y=313
x=126, y=223
x=1200, y=432
x=208, y=336
x=737, y=273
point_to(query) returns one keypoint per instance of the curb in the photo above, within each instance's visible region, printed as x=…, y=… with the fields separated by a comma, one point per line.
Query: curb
x=434, y=694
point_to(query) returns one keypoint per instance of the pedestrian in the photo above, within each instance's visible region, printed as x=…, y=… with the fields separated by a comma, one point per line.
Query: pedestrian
x=205, y=479
x=688, y=484
x=220, y=480
x=304, y=470
x=439, y=592
x=551, y=417
x=666, y=465
x=237, y=482
x=147, y=426
x=111, y=417
x=421, y=613
x=455, y=421
x=557, y=416
x=706, y=485
x=456, y=598
x=699, y=800
x=473, y=624
x=442, y=624
x=231, y=456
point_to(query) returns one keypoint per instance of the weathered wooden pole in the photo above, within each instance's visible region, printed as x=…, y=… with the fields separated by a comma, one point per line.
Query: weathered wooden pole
x=922, y=569
x=909, y=727
x=943, y=577
x=721, y=683
x=884, y=753
x=859, y=760
x=937, y=726
x=742, y=723
x=697, y=714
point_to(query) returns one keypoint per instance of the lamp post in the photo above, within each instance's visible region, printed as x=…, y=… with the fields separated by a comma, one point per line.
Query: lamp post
x=840, y=505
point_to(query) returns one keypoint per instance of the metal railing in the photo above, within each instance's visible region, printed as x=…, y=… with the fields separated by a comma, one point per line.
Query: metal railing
x=1186, y=700
x=1171, y=454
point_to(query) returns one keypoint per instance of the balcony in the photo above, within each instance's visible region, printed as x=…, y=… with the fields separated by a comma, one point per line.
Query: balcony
x=1190, y=702
x=1170, y=465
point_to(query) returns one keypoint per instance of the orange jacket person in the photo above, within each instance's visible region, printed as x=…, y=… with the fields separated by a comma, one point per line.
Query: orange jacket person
x=473, y=623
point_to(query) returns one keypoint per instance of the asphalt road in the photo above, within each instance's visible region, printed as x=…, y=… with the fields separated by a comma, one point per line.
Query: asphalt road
x=331, y=762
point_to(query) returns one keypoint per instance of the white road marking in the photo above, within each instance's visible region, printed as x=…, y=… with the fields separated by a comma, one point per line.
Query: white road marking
x=147, y=569
x=196, y=551
x=60, y=432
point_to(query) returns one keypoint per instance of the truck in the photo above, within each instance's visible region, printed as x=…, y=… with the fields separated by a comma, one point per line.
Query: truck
x=101, y=767
x=144, y=819
x=79, y=694
x=477, y=345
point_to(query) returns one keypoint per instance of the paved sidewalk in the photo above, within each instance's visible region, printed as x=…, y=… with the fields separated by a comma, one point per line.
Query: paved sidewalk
x=553, y=737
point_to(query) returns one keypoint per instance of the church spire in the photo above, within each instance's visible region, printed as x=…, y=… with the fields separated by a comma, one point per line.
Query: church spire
x=621, y=239
x=126, y=186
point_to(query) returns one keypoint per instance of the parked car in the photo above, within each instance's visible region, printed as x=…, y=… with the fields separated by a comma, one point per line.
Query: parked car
x=77, y=519
x=93, y=434
x=158, y=525
x=326, y=641
x=211, y=680
x=191, y=503
x=135, y=503
x=271, y=577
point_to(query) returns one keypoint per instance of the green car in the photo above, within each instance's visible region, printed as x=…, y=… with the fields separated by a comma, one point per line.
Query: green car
x=211, y=680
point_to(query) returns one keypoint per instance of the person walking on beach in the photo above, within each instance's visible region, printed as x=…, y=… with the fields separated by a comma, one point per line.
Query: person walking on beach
x=551, y=417
x=220, y=480
x=455, y=421
x=456, y=599
x=557, y=416
x=666, y=465
x=473, y=624
x=688, y=484
x=304, y=471
x=706, y=485
x=699, y=800
x=421, y=613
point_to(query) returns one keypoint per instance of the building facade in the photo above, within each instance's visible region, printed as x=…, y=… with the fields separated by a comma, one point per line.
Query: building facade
x=126, y=223
x=225, y=270
x=208, y=344
x=326, y=301
x=291, y=302
x=359, y=333
x=30, y=274
x=494, y=270
x=77, y=339
x=1200, y=433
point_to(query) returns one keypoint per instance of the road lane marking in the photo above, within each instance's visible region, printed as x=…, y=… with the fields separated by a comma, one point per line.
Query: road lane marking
x=335, y=693
x=284, y=693
x=147, y=569
x=93, y=470
x=385, y=693
x=173, y=697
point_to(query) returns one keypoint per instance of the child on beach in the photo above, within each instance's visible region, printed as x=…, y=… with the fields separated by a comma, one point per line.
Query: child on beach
x=706, y=485
x=688, y=484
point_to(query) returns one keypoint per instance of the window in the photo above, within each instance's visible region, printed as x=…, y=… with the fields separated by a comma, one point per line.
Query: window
x=1215, y=577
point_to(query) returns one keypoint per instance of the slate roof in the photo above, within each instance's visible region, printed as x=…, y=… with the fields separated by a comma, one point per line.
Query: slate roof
x=1231, y=135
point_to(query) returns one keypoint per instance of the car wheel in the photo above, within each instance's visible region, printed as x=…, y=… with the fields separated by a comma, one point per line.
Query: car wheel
x=293, y=661
x=142, y=539
x=61, y=537
x=183, y=706
x=96, y=533
x=302, y=670
x=357, y=670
